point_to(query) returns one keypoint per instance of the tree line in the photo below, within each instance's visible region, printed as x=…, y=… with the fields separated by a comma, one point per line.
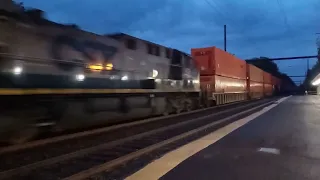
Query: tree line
x=269, y=66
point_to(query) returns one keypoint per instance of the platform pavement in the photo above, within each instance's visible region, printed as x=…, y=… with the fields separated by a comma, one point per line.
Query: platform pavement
x=283, y=143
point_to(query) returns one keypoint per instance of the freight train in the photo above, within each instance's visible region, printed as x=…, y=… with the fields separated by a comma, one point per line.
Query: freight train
x=58, y=77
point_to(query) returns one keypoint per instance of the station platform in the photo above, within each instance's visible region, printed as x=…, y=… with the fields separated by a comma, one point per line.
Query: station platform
x=282, y=143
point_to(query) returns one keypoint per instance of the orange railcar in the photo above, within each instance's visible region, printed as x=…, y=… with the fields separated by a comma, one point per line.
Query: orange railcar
x=221, y=90
x=267, y=84
x=254, y=73
x=222, y=75
x=267, y=89
x=255, y=90
x=214, y=61
x=254, y=81
x=220, y=84
x=267, y=78
x=276, y=82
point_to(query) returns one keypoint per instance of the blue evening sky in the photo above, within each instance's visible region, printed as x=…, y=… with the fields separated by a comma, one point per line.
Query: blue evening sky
x=270, y=28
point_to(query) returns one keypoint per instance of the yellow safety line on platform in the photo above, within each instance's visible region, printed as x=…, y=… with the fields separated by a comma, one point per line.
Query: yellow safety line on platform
x=160, y=167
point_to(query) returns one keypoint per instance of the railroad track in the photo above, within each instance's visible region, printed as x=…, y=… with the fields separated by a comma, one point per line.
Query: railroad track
x=99, y=153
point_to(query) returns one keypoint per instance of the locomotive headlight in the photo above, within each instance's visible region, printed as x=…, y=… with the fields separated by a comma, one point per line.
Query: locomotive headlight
x=80, y=77
x=154, y=73
x=195, y=81
x=316, y=82
x=17, y=70
x=124, y=78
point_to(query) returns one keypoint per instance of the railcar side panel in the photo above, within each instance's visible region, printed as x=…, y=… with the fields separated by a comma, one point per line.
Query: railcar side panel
x=220, y=84
x=223, y=90
x=254, y=73
x=268, y=89
x=228, y=65
x=214, y=61
x=255, y=89
x=267, y=78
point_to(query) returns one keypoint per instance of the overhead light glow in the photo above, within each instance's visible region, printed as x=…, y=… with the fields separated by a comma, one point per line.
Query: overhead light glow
x=316, y=82
x=17, y=70
x=80, y=77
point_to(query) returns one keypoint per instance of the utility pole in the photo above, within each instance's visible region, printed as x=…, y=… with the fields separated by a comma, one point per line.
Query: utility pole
x=318, y=48
x=307, y=68
x=225, y=38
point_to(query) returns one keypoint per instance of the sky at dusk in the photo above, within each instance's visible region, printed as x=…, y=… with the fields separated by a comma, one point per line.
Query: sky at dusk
x=270, y=28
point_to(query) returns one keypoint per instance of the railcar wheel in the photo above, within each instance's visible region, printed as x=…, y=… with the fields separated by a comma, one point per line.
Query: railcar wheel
x=23, y=135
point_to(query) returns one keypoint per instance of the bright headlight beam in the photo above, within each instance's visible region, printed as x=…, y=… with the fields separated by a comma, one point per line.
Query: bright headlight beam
x=17, y=70
x=80, y=77
x=124, y=78
x=316, y=82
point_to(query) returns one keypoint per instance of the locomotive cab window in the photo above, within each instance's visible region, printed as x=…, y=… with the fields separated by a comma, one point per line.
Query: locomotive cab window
x=157, y=50
x=131, y=44
x=149, y=48
x=186, y=61
x=168, y=53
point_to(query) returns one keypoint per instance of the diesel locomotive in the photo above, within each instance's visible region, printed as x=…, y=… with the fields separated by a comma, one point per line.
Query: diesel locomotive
x=53, y=74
